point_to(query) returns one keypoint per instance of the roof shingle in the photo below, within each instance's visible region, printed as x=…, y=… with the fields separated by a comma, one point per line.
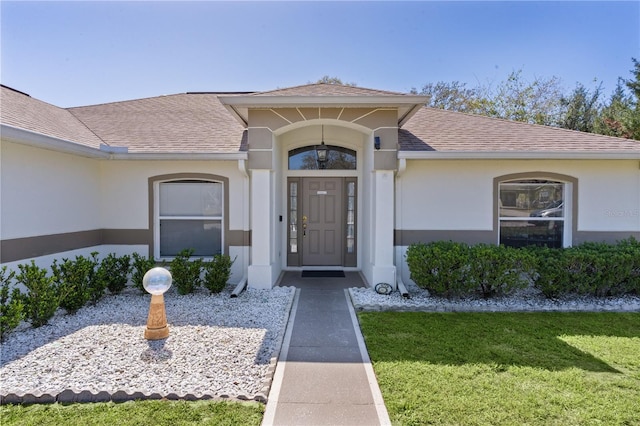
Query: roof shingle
x=438, y=130
x=325, y=89
x=200, y=123
x=183, y=123
x=24, y=112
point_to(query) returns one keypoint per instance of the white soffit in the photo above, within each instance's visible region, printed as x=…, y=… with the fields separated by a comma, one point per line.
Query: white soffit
x=407, y=105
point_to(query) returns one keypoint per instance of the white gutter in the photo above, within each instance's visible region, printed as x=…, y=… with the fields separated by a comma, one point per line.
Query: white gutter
x=518, y=155
x=240, y=287
x=106, y=152
x=39, y=140
x=192, y=156
x=402, y=289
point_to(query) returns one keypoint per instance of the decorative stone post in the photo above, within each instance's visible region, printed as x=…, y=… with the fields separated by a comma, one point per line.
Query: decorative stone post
x=156, y=281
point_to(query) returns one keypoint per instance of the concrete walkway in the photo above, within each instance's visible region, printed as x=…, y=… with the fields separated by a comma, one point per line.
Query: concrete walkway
x=324, y=376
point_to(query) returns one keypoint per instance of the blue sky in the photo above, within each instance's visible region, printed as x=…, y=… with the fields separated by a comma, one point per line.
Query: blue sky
x=84, y=52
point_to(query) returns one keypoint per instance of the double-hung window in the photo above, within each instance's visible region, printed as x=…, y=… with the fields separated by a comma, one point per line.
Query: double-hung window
x=533, y=212
x=189, y=216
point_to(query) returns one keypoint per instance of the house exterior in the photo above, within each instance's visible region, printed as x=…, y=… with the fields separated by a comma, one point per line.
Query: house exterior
x=240, y=173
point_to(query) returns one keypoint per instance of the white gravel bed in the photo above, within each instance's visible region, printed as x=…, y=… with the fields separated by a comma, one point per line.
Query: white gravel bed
x=218, y=347
x=528, y=300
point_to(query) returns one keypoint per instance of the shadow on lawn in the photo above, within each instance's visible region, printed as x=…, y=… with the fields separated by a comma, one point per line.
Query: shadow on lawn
x=498, y=339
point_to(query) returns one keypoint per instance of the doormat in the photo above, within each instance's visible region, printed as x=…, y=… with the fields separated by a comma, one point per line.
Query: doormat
x=322, y=274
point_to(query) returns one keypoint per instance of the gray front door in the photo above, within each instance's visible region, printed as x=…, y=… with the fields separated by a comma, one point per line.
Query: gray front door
x=322, y=222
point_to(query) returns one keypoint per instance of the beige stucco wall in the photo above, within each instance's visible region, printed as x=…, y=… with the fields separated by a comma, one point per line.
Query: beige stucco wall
x=46, y=192
x=73, y=198
x=458, y=195
x=124, y=190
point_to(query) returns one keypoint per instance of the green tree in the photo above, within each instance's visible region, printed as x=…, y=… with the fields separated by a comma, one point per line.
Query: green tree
x=615, y=118
x=453, y=96
x=334, y=80
x=634, y=86
x=536, y=102
x=581, y=109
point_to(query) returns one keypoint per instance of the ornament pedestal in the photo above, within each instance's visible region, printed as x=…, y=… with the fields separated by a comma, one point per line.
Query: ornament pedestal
x=157, y=327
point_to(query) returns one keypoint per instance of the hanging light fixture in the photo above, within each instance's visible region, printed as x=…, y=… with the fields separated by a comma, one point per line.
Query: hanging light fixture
x=321, y=152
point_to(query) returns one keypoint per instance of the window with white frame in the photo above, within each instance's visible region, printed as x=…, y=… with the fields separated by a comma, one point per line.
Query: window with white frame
x=533, y=212
x=189, y=215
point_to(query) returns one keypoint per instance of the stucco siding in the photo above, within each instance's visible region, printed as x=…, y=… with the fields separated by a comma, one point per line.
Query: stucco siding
x=125, y=192
x=46, y=192
x=445, y=195
x=459, y=195
x=609, y=197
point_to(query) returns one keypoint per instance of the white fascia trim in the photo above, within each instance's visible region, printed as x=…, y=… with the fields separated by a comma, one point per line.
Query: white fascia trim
x=188, y=156
x=535, y=155
x=39, y=140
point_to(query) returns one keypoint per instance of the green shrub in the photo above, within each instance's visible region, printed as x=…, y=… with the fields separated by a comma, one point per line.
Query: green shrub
x=186, y=272
x=11, y=303
x=42, y=298
x=217, y=272
x=113, y=272
x=441, y=267
x=499, y=269
x=595, y=269
x=550, y=277
x=628, y=276
x=141, y=265
x=75, y=279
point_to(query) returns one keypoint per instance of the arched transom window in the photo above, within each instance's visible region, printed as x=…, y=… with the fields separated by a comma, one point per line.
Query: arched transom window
x=306, y=158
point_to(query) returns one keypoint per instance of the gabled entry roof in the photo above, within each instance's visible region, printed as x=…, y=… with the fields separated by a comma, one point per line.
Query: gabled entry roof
x=322, y=95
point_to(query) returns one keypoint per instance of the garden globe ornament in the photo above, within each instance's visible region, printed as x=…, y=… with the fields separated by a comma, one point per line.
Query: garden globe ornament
x=156, y=281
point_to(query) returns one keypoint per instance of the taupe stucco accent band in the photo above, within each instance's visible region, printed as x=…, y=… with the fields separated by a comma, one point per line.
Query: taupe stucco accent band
x=610, y=237
x=385, y=160
x=238, y=238
x=42, y=245
x=26, y=248
x=406, y=237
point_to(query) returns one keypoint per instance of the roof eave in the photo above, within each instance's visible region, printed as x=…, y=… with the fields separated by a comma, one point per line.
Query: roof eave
x=238, y=106
x=40, y=140
x=185, y=156
x=518, y=155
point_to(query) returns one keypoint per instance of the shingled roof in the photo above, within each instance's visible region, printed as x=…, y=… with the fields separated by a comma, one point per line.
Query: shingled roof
x=183, y=123
x=195, y=123
x=438, y=130
x=24, y=112
x=325, y=89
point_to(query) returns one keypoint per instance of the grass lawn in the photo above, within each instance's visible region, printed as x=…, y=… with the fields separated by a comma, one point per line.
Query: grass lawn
x=140, y=413
x=506, y=368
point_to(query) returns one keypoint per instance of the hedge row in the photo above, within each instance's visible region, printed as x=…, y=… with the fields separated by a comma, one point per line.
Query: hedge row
x=452, y=269
x=74, y=283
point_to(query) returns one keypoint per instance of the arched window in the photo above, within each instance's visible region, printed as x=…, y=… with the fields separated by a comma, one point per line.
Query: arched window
x=306, y=158
x=533, y=212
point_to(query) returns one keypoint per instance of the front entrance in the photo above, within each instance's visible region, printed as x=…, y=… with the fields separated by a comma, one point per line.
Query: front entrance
x=322, y=221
